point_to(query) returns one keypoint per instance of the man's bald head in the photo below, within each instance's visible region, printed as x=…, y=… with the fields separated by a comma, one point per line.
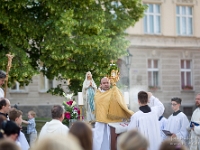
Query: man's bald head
x=105, y=84
x=4, y=105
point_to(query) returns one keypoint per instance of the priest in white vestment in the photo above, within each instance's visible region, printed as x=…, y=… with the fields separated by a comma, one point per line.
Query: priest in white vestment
x=146, y=119
x=110, y=107
x=178, y=122
x=2, y=80
x=195, y=126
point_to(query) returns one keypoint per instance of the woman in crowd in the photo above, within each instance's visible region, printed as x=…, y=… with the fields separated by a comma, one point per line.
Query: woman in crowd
x=172, y=144
x=83, y=132
x=57, y=142
x=126, y=140
x=6, y=144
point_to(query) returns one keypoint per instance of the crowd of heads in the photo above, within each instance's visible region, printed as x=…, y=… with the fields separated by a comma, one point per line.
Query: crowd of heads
x=133, y=140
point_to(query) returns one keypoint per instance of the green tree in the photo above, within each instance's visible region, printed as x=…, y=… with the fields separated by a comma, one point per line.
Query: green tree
x=66, y=38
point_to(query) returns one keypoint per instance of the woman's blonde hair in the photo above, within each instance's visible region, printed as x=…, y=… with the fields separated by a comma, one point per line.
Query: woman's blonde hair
x=83, y=132
x=132, y=140
x=57, y=142
x=172, y=144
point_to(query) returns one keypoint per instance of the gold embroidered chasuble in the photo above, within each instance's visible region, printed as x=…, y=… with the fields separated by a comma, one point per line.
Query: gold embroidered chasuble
x=110, y=106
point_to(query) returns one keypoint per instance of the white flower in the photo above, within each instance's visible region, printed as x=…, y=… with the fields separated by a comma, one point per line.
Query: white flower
x=73, y=104
x=68, y=96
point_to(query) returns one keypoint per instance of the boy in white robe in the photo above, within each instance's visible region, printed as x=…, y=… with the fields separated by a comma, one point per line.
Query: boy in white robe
x=162, y=121
x=178, y=122
x=195, y=127
x=146, y=120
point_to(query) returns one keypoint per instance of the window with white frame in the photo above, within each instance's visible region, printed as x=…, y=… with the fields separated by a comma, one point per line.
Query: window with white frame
x=153, y=73
x=152, y=19
x=44, y=83
x=17, y=88
x=184, y=24
x=186, y=75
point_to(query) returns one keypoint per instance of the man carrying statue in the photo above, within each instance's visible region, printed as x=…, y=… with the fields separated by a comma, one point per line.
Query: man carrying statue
x=110, y=107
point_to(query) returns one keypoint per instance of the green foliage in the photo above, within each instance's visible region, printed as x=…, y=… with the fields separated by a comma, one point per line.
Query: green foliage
x=66, y=37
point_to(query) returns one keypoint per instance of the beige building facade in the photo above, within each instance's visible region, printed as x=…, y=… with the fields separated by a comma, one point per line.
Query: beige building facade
x=165, y=49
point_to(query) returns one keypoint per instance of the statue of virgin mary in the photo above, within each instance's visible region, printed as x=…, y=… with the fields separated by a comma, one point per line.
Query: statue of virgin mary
x=88, y=91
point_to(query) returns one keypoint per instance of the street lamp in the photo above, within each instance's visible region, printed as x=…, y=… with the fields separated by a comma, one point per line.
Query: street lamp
x=128, y=64
x=128, y=58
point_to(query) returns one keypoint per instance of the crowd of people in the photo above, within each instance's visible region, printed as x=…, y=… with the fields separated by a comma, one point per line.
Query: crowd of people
x=148, y=129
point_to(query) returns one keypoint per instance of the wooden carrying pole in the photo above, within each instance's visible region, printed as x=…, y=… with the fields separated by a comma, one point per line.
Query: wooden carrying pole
x=10, y=57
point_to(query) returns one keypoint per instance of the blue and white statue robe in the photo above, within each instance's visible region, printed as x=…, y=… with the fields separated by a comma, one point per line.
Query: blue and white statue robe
x=88, y=91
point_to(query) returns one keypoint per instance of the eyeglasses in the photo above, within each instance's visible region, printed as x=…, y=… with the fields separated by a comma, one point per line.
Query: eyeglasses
x=173, y=104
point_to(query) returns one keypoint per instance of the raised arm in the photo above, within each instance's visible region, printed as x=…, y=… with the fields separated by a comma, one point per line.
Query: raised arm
x=156, y=106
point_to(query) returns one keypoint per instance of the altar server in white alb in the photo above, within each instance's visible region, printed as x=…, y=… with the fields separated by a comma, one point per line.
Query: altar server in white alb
x=162, y=121
x=178, y=122
x=146, y=119
x=2, y=80
x=195, y=126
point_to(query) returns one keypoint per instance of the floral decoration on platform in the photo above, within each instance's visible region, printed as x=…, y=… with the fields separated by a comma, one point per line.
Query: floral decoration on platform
x=72, y=111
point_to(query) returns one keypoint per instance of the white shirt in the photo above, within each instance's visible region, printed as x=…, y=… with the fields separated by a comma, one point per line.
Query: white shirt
x=1, y=93
x=23, y=142
x=53, y=127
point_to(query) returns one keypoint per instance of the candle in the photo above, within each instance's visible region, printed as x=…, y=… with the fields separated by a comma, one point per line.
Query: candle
x=126, y=98
x=80, y=98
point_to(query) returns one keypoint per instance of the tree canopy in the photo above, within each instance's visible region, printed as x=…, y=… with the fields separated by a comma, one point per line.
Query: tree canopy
x=64, y=38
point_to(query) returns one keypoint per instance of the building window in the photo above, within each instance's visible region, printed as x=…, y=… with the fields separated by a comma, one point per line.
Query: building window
x=184, y=20
x=188, y=111
x=186, y=75
x=153, y=74
x=44, y=84
x=17, y=88
x=152, y=19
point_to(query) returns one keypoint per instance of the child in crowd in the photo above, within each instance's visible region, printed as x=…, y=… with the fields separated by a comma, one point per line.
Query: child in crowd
x=31, y=127
x=15, y=115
